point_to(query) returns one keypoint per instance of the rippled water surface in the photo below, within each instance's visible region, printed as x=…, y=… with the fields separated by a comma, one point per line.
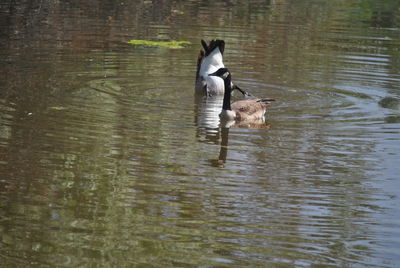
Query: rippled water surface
x=107, y=159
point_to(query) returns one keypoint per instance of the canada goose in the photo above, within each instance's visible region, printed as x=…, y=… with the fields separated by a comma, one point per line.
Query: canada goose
x=250, y=109
x=209, y=61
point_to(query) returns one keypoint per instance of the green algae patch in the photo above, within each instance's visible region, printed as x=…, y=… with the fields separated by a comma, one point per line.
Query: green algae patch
x=57, y=108
x=165, y=44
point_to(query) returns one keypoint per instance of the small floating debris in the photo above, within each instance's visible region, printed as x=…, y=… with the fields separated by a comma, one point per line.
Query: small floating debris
x=392, y=119
x=165, y=44
x=390, y=103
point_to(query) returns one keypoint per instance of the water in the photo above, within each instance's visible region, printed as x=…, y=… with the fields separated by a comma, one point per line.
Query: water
x=107, y=158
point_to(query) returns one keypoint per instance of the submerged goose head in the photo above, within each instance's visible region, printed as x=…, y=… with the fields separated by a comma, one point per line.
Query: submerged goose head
x=250, y=109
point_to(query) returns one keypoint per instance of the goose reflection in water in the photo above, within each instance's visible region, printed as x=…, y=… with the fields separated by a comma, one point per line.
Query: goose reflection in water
x=224, y=131
x=207, y=116
x=211, y=128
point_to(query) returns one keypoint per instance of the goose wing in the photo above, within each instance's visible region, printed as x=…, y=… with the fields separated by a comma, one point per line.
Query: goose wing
x=214, y=85
x=220, y=44
x=199, y=61
x=251, y=108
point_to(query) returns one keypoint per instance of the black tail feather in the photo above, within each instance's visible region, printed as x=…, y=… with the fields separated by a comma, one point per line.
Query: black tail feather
x=213, y=45
x=204, y=44
x=265, y=100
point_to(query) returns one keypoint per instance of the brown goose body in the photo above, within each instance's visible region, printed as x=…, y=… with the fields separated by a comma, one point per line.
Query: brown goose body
x=250, y=109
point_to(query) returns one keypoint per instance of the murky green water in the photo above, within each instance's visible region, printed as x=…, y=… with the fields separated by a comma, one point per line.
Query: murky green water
x=107, y=159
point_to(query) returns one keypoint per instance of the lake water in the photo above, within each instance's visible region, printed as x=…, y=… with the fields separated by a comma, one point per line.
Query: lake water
x=107, y=159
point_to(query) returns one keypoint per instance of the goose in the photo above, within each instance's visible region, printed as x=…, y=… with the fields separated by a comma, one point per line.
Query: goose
x=209, y=61
x=249, y=109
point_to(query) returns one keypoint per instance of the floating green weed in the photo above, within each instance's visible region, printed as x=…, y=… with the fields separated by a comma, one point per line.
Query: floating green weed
x=166, y=44
x=57, y=108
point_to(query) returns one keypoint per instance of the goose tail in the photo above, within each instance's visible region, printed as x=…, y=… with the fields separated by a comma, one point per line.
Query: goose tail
x=210, y=59
x=213, y=45
x=266, y=100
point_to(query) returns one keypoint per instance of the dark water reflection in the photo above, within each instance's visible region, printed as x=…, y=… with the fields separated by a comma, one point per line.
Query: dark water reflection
x=108, y=159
